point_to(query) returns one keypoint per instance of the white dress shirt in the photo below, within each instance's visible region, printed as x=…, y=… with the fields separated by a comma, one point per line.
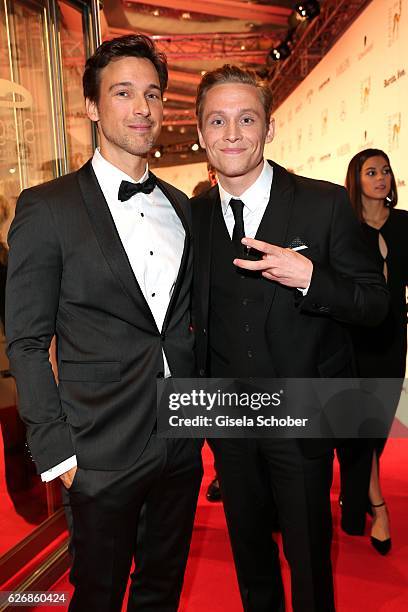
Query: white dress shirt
x=255, y=200
x=153, y=238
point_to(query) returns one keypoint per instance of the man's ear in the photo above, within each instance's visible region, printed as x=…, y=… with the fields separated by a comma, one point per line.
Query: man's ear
x=91, y=110
x=200, y=138
x=271, y=130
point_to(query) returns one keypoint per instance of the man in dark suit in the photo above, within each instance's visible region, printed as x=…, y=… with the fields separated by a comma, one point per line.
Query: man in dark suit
x=102, y=259
x=283, y=318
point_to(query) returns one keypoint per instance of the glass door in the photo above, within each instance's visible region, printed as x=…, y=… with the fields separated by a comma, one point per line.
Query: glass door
x=43, y=133
x=74, y=49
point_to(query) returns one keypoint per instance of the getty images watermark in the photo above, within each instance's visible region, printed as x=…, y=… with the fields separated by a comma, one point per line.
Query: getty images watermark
x=219, y=400
x=288, y=408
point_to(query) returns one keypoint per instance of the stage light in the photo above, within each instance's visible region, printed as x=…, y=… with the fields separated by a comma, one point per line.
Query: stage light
x=281, y=52
x=308, y=9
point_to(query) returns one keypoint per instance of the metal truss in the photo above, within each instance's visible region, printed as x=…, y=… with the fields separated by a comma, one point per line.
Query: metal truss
x=247, y=47
x=315, y=41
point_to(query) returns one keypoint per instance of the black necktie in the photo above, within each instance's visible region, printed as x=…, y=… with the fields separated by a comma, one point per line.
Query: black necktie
x=127, y=189
x=237, y=208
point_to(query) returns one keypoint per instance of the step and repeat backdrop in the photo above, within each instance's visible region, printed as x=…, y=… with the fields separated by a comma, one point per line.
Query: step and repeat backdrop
x=355, y=98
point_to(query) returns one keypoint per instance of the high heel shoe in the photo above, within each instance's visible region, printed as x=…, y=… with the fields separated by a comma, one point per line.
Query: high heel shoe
x=383, y=547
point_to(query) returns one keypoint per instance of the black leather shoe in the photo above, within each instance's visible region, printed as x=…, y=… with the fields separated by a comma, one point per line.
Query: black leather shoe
x=213, y=492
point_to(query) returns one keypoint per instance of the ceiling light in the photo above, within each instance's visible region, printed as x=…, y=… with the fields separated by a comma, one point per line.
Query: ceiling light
x=157, y=153
x=156, y=13
x=185, y=16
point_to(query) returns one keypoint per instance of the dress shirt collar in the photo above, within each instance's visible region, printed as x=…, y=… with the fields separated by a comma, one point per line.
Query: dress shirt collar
x=110, y=177
x=256, y=195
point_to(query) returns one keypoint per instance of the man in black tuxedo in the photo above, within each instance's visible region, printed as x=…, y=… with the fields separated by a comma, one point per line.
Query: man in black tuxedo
x=102, y=258
x=283, y=319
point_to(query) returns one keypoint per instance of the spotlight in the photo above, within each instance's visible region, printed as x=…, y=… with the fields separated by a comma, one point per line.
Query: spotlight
x=308, y=9
x=157, y=153
x=281, y=52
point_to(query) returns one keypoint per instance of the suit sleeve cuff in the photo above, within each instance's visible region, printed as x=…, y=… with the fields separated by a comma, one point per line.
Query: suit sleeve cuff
x=59, y=469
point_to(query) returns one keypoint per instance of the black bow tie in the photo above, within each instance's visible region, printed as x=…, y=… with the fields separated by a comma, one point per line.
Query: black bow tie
x=127, y=189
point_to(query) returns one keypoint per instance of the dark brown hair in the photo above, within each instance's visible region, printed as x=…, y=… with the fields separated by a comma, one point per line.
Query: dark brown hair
x=233, y=74
x=353, y=180
x=133, y=45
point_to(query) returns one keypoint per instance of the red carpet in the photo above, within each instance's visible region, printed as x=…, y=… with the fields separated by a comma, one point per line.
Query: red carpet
x=364, y=581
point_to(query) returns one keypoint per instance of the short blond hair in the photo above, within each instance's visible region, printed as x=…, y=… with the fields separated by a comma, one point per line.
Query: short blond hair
x=233, y=74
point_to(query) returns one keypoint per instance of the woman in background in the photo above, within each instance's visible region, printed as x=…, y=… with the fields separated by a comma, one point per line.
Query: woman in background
x=380, y=352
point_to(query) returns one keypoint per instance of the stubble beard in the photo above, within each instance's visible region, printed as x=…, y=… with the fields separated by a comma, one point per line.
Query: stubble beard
x=134, y=145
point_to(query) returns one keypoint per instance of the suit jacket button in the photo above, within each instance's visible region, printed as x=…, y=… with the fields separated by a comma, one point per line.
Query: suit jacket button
x=160, y=375
x=202, y=372
x=204, y=331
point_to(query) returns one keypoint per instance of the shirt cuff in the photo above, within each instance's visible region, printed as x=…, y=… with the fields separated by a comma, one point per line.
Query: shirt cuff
x=59, y=469
x=303, y=291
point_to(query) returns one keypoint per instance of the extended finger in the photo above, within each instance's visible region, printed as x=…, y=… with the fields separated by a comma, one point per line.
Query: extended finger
x=248, y=264
x=263, y=247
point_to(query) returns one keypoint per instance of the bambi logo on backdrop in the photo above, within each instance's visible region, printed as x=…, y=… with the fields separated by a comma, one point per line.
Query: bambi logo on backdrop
x=394, y=128
x=343, y=149
x=345, y=64
x=282, y=150
x=343, y=110
x=367, y=47
x=366, y=141
x=299, y=139
x=394, y=18
x=365, y=89
x=325, y=120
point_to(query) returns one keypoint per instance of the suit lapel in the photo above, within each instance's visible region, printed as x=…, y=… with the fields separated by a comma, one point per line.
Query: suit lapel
x=205, y=246
x=186, y=249
x=275, y=221
x=108, y=237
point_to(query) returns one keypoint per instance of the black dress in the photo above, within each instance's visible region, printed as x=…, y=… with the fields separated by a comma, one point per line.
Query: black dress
x=380, y=353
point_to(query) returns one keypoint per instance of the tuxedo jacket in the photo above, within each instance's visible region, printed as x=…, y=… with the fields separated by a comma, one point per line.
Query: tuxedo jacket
x=69, y=275
x=306, y=336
